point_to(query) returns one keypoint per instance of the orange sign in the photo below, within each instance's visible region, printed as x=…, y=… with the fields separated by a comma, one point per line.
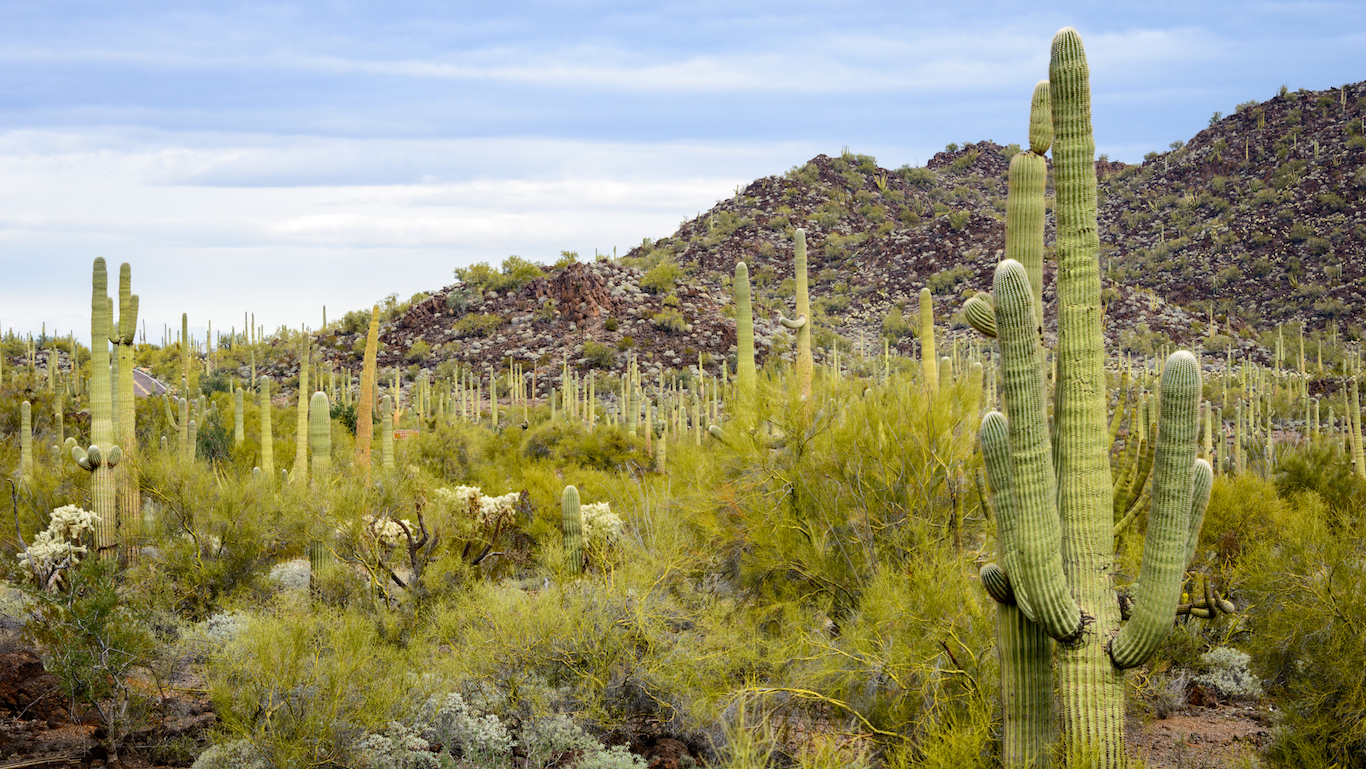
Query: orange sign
x=401, y=434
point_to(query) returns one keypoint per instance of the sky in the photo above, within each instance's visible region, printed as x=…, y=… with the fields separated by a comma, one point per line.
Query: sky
x=278, y=158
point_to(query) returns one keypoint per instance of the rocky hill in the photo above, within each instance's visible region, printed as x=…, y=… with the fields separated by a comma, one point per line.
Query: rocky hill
x=1257, y=220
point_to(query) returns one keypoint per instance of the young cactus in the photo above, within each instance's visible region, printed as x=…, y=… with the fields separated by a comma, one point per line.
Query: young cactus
x=239, y=432
x=302, y=424
x=572, y=522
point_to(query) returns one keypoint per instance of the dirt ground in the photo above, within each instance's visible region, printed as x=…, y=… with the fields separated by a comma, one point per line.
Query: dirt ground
x=1224, y=736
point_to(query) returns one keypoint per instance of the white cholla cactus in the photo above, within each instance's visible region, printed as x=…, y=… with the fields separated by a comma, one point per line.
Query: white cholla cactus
x=461, y=498
x=600, y=524
x=493, y=510
x=60, y=545
x=386, y=530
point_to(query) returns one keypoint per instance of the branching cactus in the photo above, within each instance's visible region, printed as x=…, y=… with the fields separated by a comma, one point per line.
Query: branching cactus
x=802, y=323
x=745, y=378
x=102, y=456
x=1055, y=502
x=571, y=519
x=320, y=434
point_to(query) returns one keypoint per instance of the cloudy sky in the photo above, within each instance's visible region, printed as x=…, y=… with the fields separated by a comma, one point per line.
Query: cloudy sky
x=276, y=158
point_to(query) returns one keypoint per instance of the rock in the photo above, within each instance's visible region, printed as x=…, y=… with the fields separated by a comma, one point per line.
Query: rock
x=27, y=690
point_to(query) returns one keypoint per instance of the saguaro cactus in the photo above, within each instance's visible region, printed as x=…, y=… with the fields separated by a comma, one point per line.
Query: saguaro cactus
x=25, y=441
x=802, y=323
x=102, y=456
x=928, y=362
x=745, y=377
x=571, y=520
x=1060, y=518
x=386, y=441
x=365, y=429
x=320, y=434
x=302, y=424
x=267, y=434
x=123, y=338
x=239, y=432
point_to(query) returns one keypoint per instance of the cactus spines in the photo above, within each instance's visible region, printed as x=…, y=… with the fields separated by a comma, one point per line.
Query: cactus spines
x=744, y=337
x=386, y=441
x=365, y=428
x=239, y=432
x=267, y=435
x=804, y=365
x=928, y=361
x=25, y=441
x=302, y=426
x=320, y=434
x=1169, y=523
x=571, y=519
x=1201, y=486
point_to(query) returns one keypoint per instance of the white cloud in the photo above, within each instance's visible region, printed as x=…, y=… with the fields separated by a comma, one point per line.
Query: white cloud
x=283, y=251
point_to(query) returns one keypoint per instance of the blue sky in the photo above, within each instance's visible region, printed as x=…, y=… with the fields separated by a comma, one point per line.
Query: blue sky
x=274, y=158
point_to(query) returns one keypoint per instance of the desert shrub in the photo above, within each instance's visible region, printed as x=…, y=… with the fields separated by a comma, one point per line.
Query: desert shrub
x=303, y=685
x=662, y=278
x=570, y=443
x=917, y=176
x=355, y=322
x=598, y=355
x=477, y=325
x=894, y=325
x=1307, y=595
x=946, y=281
x=670, y=320
x=418, y=351
x=515, y=273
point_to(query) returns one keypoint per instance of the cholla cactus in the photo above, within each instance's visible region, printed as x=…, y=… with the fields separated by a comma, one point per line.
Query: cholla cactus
x=60, y=546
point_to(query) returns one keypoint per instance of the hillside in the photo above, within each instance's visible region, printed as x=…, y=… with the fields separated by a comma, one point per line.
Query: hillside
x=1258, y=219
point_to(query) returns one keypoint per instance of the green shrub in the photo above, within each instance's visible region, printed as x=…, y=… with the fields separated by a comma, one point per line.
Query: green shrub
x=477, y=325
x=418, y=351
x=515, y=273
x=959, y=219
x=947, y=280
x=599, y=355
x=917, y=176
x=662, y=278
x=670, y=320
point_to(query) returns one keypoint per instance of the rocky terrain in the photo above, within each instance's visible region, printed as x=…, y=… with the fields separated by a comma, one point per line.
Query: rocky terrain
x=1258, y=220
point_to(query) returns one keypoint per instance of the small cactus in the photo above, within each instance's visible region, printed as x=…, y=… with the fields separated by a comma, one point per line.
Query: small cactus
x=571, y=519
x=320, y=434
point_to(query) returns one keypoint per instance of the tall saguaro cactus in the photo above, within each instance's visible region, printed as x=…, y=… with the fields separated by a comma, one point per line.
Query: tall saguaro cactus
x=267, y=433
x=123, y=338
x=802, y=323
x=386, y=441
x=301, y=424
x=745, y=377
x=365, y=428
x=320, y=434
x=102, y=456
x=929, y=361
x=1055, y=503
